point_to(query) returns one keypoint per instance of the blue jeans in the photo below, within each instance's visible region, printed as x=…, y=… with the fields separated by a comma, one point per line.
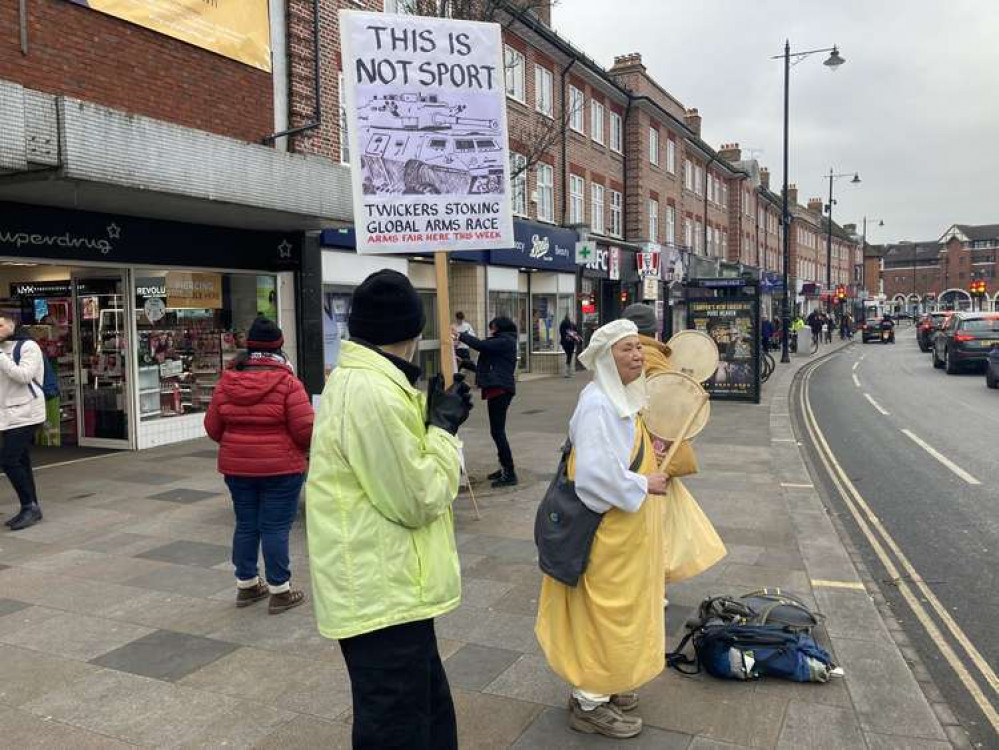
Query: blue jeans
x=265, y=509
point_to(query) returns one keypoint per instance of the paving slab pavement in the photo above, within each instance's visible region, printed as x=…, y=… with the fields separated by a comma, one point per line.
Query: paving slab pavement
x=117, y=627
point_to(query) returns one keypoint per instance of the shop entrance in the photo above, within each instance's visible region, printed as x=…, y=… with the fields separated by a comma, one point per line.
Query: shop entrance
x=78, y=317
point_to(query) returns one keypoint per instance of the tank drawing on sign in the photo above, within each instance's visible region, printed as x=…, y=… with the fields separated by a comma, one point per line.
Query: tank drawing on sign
x=417, y=144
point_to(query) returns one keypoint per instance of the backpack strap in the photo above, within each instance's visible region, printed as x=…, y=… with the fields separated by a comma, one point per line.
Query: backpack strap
x=676, y=658
x=16, y=356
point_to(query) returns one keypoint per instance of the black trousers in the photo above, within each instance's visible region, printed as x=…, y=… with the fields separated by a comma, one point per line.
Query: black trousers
x=15, y=459
x=498, y=407
x=402, y=700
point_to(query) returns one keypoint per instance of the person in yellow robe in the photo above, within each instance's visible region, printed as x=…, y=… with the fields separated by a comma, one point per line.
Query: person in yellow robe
x=606, y=635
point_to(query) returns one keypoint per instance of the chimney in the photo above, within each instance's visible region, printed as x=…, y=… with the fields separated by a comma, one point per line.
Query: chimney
x=693, y=120
x=765, y=178
x=543, y=11
x=792, y=195
x=850, y=228
x=730, y=152
x=815, y=206
x=630, y=62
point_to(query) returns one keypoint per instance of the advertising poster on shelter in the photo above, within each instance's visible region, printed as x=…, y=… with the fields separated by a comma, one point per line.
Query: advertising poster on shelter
x=731, y=324
x=426, y=112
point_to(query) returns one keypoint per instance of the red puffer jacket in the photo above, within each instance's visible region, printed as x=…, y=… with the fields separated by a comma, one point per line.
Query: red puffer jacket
x=262, y=418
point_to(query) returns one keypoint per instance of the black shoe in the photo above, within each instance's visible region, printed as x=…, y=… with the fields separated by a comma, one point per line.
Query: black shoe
x=492, y=477
x=506, y=479
x=15, y=518
x=28, y=517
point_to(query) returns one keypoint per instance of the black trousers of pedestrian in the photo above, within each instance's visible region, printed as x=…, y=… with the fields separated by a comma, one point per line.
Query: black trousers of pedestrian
x=569, y=351
x=402, y=700
x=15, y=459
x=498, y=407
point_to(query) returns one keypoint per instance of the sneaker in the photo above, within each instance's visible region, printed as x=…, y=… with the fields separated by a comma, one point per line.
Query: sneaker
x=246, y=597
x=625, y=701
x=284, y=601
x=506, y=479
x=606, y=720
x=495, y=475
x=27, y=517
x=14, y=519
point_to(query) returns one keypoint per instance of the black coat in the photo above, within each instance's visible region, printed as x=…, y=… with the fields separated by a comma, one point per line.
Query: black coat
x=497, y=363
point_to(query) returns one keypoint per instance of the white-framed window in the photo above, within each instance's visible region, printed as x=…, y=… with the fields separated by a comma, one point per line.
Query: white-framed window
x=616, y=207
x=654, y=146
x=723, y=189
x=688, y=233
x=344, y=143
x=543, y=90
x=653, y=220
x=597, y=121
x=616, y=140
x=698, y=236
x=688, y=174
x=711, y=188
x=671, y=156
x=670, y=224
x=597, y=208
x=546, y=192
x=518, y=185
x=698, y=180
x=515, y=68
x=577, y=104
x=577, y=185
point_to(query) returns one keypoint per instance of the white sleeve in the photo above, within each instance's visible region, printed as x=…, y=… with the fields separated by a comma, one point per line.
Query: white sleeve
x=603, y=480
x=30, y=368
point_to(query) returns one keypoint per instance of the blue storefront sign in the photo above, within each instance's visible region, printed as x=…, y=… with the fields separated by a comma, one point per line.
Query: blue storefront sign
x=538, y=246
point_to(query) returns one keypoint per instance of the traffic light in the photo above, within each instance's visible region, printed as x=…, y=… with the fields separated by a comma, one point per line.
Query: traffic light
x=841, y=294
x=978, y=288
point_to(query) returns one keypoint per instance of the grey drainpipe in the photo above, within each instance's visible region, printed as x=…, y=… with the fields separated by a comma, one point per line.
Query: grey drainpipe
x=318, y=110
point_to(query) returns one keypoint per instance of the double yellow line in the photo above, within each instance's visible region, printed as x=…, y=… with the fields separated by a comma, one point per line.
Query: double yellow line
x=893, y=559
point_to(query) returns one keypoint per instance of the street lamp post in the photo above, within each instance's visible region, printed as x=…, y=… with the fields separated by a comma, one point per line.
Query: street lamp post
x=832, y=62
x=829, y=210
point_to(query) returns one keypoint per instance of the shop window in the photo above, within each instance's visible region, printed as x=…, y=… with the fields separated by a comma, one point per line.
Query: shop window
x=191, y=326
x=547, y=312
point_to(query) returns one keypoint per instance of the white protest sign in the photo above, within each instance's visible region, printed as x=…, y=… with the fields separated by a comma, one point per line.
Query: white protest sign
x=426, y=113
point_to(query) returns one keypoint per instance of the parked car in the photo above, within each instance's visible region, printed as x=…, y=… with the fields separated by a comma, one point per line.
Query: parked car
x=927, y=328
x=965, y=340
x=992, y=368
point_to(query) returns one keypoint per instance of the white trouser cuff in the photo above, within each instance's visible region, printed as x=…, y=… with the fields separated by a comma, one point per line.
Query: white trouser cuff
x=589, y=701
x=247, y=584
x=286, y=586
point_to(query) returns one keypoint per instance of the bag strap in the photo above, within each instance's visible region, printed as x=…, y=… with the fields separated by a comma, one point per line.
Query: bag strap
x=16, y=356
x=677, y=658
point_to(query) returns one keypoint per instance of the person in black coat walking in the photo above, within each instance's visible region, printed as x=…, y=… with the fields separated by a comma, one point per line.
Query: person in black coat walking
x=569, y=337
x=495, y=374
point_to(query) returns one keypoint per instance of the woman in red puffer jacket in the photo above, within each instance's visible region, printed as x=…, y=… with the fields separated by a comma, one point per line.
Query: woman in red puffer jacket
x=261, y=416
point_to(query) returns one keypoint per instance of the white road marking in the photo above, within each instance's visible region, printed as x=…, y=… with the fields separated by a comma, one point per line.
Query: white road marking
x=940, y=457
x=856, y=380
x=856, y=365
x=821, y=583
x=874, y=530
x=876, y=405
x=792, y=486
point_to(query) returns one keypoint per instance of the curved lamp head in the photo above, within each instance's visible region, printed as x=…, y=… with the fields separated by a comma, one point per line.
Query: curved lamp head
x=856, y=179
x=881, y=223
x=834, y=60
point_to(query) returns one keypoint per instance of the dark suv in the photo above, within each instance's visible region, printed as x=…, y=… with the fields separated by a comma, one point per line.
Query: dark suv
x=966, y=339
x=927, y=328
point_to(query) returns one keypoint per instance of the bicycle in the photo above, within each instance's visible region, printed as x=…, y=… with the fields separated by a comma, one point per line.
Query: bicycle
x=767, y=365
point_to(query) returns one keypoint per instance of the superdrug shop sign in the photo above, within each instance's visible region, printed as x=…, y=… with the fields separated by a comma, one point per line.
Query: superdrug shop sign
x=81, y=237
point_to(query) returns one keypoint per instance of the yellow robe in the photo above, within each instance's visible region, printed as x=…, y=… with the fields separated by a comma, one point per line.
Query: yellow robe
x=607, y=634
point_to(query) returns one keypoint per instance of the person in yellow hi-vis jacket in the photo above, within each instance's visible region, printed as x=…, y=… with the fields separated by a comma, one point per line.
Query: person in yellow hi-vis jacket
x=606, y=635
x=384, y=471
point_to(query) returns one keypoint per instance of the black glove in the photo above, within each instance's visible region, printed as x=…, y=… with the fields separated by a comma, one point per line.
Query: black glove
x=448, y=409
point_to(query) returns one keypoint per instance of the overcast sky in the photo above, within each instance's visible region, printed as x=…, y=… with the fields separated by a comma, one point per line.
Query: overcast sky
x=914, y=110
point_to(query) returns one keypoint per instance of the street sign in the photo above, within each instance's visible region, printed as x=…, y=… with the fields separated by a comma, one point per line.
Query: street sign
x=586, y=252
x=425, y=103
x=650, y=288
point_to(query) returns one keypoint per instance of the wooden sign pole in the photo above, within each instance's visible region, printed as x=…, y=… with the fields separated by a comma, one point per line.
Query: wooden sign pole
x=444, y=318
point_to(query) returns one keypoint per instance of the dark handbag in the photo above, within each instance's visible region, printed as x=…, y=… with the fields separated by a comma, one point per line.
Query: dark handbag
x=564, y=527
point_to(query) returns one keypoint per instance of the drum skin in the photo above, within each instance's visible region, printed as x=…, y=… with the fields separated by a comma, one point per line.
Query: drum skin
x=672, y=398
x=695, y=354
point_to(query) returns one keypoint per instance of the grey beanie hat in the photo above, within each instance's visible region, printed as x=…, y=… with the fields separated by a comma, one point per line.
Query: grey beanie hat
x=644, y=318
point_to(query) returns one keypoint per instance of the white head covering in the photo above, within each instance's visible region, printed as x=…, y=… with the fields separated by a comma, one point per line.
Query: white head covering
x=629, y=399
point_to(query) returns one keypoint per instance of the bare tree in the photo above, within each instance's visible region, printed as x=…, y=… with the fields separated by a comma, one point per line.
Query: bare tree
x=535, y=134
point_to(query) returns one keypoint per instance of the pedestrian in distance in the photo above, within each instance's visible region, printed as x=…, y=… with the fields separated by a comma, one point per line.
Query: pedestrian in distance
x=462, y=326
x=385, y=466
x=569, y=339
x=495, y=375
x=830, y=324
x=766, y=333
x=606, y=635
x=22, y=413
x=815, y=323
x=262, y=419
